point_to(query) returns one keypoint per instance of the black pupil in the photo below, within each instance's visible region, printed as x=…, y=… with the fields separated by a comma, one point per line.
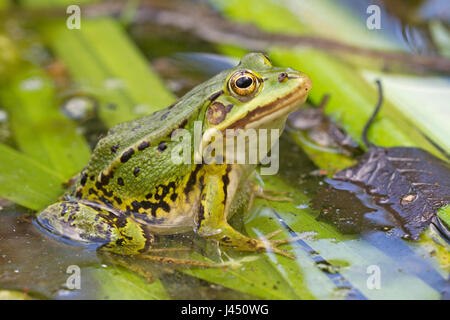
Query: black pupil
x=244, y=82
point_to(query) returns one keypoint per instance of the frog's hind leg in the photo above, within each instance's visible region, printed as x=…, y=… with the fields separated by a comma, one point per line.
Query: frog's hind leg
x=90, y=223
x=133, y=263
x=178, y=261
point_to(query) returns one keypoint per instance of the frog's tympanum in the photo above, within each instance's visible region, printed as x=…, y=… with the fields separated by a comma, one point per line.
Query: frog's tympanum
x=131, y=189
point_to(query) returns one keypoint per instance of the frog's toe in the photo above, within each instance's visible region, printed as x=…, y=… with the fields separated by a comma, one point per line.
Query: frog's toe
x=271, y=245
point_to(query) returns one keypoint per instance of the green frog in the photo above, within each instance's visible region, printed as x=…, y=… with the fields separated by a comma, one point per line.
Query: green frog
x=131, y=189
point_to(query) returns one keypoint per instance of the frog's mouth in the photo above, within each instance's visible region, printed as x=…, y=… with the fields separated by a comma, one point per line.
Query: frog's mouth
x=274, y=110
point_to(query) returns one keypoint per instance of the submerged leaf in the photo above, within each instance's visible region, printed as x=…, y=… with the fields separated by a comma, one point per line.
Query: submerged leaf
x=322, y=130
x=409, y=183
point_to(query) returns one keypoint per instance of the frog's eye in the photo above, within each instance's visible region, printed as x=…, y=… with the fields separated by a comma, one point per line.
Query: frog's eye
x=243, y=83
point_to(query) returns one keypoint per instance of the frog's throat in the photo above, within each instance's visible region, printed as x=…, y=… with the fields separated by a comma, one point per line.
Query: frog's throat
x=273, y=110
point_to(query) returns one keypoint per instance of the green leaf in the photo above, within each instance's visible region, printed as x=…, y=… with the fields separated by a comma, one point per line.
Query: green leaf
x=118, y=283
x=26, y=181
x=13, y=295
x=444, y=214
x=109, y=66
x=424, y=100
x=4, y=4
x=257, y=278
x=38, y=127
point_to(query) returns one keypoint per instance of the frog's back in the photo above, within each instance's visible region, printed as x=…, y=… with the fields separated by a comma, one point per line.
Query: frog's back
x=154, y=128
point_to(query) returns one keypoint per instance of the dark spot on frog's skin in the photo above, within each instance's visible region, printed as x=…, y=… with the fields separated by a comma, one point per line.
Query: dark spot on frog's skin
x=107, y=193
x=126, y=155
x=171, y=106
x=182, y=124
x=136, y=205
x=162, y=191
x=173, y=196
x=118, y=200
x=162, y=146
x=99, y=228
x=192, y=179
x=229, y=107
x=282, y=77
x=201, y=215
x=79, y=193
x=105, y=201
x=120, y=241
x=136, y=171
x=72, y=216
x=64, y=209
x=83, y=179
x=114, y=148
x=226, y=239
x=143, y=145
x=92, y=178
x=92, y=191
x=216, y=113
x=148, y=195
x=251, y=242
x=226, y=181
x=265, y=56
x=111, y=217
x=165, y=115
x=149, y=238
x=215, y=95
x=160, y=195
x=104, y=178
x=120, y=182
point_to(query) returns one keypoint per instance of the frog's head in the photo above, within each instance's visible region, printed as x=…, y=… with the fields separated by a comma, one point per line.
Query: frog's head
x=256, y=95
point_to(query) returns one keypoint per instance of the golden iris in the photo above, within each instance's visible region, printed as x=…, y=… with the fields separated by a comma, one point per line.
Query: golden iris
x=243, y=83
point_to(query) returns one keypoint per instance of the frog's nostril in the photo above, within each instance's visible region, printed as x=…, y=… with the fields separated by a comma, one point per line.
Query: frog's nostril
x=283, y=77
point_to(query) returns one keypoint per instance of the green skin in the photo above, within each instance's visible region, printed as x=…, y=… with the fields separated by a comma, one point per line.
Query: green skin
x=131, y=189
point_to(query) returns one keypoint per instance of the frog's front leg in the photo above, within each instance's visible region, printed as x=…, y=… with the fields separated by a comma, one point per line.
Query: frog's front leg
x=212, y=222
